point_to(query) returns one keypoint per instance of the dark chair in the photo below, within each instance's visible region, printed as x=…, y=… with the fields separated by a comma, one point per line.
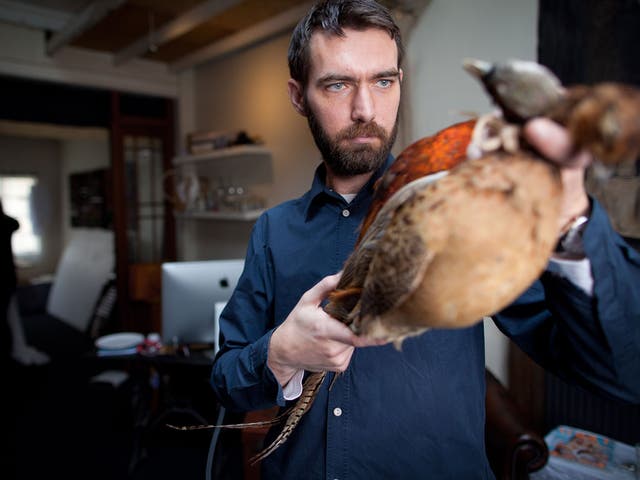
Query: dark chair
x=514, y=449
x=55, y=337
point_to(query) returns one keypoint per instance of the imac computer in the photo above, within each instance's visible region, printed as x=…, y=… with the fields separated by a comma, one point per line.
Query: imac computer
x=193, y=295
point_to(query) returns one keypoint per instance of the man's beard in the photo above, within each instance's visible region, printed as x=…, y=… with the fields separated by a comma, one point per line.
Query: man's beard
x=356, y=159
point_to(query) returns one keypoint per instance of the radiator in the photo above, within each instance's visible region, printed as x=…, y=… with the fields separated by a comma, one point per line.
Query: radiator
x=569, y=405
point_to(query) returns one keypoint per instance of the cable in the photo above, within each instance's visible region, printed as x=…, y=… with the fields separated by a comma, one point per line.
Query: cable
x=214, y=441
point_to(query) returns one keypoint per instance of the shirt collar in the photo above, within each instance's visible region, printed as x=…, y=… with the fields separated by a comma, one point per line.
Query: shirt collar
x=319, y=192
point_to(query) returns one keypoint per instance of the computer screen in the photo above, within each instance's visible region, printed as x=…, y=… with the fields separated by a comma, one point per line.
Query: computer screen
x=193, y=295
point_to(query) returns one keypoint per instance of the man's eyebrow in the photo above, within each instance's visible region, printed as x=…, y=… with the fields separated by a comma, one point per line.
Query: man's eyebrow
x=335, y=77
x=394, y=72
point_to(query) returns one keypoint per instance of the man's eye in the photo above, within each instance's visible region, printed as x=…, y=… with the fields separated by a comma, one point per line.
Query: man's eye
x=336, y=87
x=384, y=82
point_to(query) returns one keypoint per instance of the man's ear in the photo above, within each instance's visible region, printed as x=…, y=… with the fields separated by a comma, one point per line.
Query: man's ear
x=296, y=95
x=400, y=75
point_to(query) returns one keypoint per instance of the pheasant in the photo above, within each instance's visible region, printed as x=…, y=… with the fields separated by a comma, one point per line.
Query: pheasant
x=446, y=253
x=450, y=239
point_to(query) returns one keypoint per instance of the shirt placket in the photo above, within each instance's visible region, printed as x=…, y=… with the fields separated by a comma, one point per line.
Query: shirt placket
x=338, y=430
x=338, y=407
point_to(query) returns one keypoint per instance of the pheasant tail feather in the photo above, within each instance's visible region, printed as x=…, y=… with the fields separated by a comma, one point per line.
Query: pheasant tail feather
x=309, y=391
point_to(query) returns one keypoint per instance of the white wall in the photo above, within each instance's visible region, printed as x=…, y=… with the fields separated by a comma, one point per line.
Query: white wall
x=439, y=89
x=449, y=31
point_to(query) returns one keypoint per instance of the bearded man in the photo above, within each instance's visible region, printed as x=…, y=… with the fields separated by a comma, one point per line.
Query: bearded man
x=419, y=412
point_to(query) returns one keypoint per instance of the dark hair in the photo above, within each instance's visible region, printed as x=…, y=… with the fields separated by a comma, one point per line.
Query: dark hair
x=333, y=16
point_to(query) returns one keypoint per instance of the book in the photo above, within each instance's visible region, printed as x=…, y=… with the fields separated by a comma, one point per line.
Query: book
x=581, y=446
x=580, y=454
x=204, y=142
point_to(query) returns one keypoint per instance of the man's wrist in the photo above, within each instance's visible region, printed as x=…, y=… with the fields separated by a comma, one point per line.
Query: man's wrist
x=281, y=370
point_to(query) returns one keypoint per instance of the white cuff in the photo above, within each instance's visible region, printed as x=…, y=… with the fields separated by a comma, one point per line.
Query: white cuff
x=577, y=272
x=293, y=388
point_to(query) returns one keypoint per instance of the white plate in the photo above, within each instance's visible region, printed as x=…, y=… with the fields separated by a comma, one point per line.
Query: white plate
x=118, y=341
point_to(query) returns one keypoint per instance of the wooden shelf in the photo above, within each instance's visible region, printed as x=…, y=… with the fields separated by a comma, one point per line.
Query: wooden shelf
x=247, y=164
x=224, y=154
x=247, y=216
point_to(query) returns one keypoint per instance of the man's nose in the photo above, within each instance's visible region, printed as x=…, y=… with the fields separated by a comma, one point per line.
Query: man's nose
x=363, y=109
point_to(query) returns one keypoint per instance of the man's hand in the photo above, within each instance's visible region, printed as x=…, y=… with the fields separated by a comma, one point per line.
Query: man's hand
x=311, y=339
x=553, y=142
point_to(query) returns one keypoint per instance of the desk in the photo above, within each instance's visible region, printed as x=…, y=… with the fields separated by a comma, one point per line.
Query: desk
x=166, y=389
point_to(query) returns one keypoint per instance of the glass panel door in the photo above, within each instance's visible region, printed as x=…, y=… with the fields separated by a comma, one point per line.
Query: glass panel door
x=141, y=150
x=143, y=164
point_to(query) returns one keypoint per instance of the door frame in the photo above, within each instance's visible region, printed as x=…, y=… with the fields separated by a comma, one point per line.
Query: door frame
x=122, y=125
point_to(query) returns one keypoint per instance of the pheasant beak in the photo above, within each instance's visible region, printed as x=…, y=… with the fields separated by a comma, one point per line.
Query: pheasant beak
x=478, y=68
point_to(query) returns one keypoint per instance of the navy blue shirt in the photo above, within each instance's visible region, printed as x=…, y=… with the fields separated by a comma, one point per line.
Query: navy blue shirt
x=419, y=412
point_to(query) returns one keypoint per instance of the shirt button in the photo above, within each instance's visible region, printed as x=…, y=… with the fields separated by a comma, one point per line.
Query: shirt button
x=346, y=213
x=337, y=411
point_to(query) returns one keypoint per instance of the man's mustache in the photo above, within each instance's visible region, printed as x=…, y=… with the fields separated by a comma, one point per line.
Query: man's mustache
x=369, y=129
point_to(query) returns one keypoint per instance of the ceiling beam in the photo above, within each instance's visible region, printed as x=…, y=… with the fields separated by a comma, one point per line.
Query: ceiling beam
x=244, y=38
x=92, y=14
x=185, y=22
x=32, y=16
x=52, y=131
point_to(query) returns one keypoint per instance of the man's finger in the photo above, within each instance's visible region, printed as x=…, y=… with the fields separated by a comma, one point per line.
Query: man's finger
x=320, y=290
x=369, y=342
x=554, y=143
x=549, y=138
x=338, y=331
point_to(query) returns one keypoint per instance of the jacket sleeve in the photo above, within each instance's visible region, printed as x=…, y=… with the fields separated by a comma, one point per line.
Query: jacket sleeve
x=240, y=376
x=593, y=341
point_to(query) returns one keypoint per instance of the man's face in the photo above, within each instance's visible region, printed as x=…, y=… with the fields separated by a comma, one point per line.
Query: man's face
x=351, y=98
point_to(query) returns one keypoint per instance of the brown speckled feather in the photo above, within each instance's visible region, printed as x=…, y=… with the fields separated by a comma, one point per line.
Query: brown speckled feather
x=432, y=154
x=439, y=152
